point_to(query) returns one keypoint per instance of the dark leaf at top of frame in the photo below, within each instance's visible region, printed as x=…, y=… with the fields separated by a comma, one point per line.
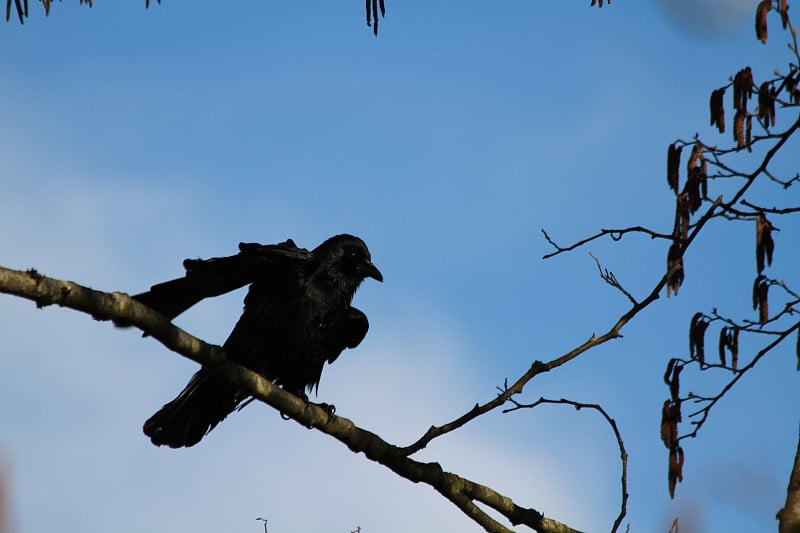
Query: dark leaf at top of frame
x=599, y=3
x=372, y=13
x=22, y=12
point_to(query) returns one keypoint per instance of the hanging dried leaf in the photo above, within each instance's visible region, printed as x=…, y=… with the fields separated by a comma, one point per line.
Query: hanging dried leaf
x=784, y=11
x=742, y=88
x=673, y=165
x=46, y=4
x=761, y=20
x=760, y=298
x=734, y=344
x=675, y=259
x=599, y=3
x=764, y=243
x=147, y=3
x=697, y=337
x=717, y=109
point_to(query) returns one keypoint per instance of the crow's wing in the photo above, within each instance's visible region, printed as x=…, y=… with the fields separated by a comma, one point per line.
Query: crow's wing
x=352, y=331
x=220, y=275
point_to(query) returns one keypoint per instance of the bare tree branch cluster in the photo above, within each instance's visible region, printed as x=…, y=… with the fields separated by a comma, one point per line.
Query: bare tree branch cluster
x=777, y=98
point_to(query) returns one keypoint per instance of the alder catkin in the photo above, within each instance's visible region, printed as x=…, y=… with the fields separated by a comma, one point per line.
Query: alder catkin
x=717, y=109
x=761, y=20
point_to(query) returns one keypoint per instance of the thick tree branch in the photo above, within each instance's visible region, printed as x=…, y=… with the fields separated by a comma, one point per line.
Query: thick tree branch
x=120, y=307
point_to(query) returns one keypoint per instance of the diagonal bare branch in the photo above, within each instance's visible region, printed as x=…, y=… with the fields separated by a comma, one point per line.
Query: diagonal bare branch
x=120, y=307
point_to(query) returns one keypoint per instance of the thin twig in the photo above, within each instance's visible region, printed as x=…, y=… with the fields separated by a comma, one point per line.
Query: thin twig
x=622, y=452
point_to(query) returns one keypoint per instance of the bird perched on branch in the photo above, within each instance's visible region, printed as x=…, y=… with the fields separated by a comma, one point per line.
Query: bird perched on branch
x=297, y=315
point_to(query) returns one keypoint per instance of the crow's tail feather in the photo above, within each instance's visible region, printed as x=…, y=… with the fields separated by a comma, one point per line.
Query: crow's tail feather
x=200, y=406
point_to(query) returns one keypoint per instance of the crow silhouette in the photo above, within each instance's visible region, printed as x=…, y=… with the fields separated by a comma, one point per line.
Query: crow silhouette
x=297, y=315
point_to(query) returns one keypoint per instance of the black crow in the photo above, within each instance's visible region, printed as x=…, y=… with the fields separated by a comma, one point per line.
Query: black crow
x=297, y=315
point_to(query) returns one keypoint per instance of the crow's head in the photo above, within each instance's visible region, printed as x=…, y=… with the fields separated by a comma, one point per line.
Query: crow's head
x=344, y=261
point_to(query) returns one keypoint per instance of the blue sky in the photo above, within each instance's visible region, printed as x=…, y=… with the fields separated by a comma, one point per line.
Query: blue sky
x=132, y=139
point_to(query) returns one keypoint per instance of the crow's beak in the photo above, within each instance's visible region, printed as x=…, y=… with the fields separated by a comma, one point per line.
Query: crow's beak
x=371, y=271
